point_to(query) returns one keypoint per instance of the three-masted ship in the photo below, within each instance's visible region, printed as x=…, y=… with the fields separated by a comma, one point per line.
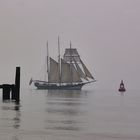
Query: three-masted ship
x=68, y=73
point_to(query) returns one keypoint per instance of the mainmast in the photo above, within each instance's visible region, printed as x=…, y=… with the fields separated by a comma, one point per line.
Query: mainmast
x=71, y=63
x=59, y=61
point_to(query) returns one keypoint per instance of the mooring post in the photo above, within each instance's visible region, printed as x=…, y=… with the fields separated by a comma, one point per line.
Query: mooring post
x=6, y=92
x=14, y=89
x=13, y=92
x=17, y=84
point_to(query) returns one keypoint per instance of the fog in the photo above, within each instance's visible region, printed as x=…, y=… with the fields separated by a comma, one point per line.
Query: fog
x=105, y=32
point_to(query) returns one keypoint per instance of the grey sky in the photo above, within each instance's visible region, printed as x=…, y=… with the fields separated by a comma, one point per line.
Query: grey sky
x=105, y=32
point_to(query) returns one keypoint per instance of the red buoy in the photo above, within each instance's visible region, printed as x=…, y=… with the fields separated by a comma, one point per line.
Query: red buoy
x=122, y=88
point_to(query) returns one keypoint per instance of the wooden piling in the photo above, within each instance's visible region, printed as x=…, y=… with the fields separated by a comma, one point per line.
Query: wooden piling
x=17, y=84
x=14, y=89
x=13, y=92
x=6, y=92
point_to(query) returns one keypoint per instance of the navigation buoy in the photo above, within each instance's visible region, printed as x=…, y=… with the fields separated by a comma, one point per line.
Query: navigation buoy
x=122, y=88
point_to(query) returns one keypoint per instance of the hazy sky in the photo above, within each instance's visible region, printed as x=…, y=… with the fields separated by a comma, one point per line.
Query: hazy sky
x=105, y=32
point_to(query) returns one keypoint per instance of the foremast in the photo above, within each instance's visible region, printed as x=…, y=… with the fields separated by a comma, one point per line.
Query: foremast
x=47, y=62
x=59, y=62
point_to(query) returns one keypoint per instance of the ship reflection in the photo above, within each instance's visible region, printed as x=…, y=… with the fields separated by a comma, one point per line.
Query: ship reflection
x=65, y=109
x=67, y=93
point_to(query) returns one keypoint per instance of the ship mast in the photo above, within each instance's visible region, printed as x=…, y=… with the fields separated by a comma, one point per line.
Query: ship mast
x=59, y=61
x=71, y=63
x=47, y=61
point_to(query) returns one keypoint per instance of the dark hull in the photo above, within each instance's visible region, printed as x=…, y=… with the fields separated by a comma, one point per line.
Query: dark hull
x=60, y=87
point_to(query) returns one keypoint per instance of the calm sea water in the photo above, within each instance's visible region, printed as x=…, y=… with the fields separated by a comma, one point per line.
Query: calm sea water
x=71, y=115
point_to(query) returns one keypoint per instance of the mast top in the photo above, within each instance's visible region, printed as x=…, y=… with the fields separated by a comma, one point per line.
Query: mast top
x=70, y=45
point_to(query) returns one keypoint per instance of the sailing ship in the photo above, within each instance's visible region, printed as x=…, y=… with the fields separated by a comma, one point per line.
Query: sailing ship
x=68, y=73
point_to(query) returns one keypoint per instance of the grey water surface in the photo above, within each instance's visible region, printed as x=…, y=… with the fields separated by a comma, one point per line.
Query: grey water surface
x=71, y=115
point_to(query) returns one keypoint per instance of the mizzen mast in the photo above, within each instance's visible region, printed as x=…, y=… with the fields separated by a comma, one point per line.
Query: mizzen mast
x=71, y=59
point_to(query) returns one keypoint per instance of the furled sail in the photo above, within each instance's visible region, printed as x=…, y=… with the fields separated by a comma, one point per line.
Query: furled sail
x=88, y=74
x=75, y=74
x=53, y=76
x=81, y=73
x=71, y=54
x=65, y=72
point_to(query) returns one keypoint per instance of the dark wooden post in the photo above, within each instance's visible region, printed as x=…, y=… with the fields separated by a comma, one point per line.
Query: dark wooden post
x=17, y=84
x=13, y=92
x=6, y=92
x=14, y=88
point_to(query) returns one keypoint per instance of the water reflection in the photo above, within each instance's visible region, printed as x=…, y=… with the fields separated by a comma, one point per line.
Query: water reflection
x=15, y=138
x=66, y=93
x=65, y=109
x=122, y=93
x=10, y=114
x=17, y=117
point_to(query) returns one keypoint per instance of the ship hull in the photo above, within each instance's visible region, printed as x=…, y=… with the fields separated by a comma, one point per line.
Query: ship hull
x=59, y=87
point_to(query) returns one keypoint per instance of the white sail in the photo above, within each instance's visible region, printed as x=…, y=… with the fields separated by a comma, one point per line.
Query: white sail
x=65, y=72
x=75, y=75
x=88, y=74
x=81, y=73
x=53, y=76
